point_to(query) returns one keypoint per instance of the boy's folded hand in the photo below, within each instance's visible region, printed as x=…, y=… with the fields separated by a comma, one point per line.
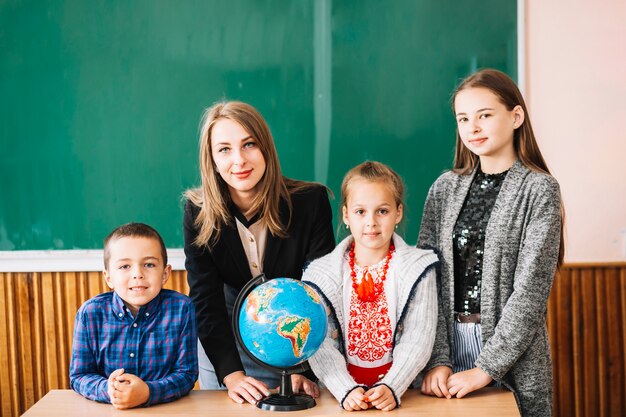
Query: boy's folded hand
x=129, y=391
x=111, y=383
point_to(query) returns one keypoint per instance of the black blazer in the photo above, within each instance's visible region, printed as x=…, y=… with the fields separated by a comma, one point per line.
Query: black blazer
x=310, y=235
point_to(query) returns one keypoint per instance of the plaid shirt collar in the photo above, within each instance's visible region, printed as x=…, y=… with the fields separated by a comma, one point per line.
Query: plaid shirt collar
x=121, y=311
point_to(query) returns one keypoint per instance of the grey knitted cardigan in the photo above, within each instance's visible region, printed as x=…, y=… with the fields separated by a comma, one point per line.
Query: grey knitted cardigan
x=416, y=312
x=519, y=262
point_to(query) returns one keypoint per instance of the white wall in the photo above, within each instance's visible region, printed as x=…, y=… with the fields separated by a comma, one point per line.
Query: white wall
x=576, y=93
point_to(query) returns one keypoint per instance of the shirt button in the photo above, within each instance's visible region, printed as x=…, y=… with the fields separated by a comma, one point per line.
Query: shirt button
x=254, y=265
x=134, y=324
x=132, y=355
x=250, y=238
x=121, y=314
x=147, y=314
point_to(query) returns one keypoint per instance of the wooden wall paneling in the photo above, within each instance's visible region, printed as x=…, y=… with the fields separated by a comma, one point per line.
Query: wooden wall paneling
x=37, y=336
x=75, y=292
x=178, y=282
x=552, y=333
x=14, y=376
x=5, y=346
x=576, y=359
x=62, y=326
x=93, y=285
x=615, y=375
x=589, y=343
x=622, y=284
x=562, y=353
x=602, y=338
x=55, y=336
x=25, y=332
x=51, y=364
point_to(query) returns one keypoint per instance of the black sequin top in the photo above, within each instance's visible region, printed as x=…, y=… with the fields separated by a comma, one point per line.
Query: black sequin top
x=468, y=240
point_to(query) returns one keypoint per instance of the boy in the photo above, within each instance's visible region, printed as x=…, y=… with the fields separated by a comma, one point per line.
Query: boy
x=135, y=346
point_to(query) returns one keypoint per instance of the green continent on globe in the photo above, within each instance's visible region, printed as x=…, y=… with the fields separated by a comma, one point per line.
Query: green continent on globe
x=297, y=330
x=258, y=301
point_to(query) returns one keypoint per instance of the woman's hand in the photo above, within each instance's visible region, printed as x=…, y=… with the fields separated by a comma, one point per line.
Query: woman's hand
x=245, y=388
x=436, y=382
x=301, y=383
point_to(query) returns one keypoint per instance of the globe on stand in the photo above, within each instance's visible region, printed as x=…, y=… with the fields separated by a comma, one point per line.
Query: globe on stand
x=280, y=323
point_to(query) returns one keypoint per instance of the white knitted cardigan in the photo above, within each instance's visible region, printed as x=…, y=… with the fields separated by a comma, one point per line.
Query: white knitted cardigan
x=415, y=272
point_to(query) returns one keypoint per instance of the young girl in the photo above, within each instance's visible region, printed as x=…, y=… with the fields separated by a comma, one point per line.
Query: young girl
x=496, y=220
x=245, y=219
x=381, y=296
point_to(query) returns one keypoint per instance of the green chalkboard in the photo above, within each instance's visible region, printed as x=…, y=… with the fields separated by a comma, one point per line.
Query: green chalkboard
x=100, y=100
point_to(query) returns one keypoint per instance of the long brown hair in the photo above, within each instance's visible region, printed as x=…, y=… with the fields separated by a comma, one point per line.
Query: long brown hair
x=524, y=141
x=213, y=196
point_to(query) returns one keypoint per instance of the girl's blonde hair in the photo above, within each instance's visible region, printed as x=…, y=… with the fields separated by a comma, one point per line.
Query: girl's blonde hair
x=524, y=142
x=374, y=171
x=213, y=196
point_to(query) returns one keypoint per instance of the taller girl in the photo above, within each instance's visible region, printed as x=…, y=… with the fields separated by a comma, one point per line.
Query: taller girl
x=245, y=219
x=497, y=221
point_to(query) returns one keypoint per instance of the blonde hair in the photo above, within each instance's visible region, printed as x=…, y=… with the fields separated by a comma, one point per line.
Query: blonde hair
x=524, y=141
x=374, y=171
x=213, y=196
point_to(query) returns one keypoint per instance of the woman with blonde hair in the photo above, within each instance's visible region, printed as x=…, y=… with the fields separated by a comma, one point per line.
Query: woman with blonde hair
x=245, y=219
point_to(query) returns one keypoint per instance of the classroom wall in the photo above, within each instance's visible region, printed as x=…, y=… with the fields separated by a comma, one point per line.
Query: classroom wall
x=576, y=90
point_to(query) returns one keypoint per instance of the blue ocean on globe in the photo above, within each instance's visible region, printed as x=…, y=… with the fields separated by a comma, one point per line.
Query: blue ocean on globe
x=282, y=322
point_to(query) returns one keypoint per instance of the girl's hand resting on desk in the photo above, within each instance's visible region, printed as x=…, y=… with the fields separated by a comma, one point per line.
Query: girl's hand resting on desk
x=462, y=383
x=436, y=382
x=243, y=388
x=381, y=397
x=355, y=401
x=301, y=383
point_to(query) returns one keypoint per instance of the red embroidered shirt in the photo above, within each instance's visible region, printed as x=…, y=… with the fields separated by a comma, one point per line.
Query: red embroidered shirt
x=369, y=325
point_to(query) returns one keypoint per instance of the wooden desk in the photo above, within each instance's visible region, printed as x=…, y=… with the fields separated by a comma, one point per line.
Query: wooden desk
x=485, y=403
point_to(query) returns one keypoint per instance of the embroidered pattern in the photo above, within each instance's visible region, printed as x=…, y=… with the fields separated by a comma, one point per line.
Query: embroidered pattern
x=369, y=327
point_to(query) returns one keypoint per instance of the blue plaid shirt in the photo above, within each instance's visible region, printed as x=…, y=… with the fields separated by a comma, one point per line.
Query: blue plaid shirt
x=158, y=345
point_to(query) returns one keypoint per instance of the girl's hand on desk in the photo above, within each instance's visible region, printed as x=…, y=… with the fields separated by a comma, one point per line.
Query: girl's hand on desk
x=436, y=382
x=245, y=388
x=302, y=383
x=462, y=383
x=381, y=397
x=355, y=401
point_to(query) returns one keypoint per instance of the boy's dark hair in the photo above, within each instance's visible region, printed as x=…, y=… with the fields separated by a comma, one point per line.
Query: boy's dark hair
x=133, y=230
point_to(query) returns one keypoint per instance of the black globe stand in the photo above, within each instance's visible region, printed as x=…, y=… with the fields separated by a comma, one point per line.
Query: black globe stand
x=285, y=399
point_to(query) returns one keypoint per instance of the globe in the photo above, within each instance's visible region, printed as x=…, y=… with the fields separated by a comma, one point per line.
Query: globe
x=280, y=323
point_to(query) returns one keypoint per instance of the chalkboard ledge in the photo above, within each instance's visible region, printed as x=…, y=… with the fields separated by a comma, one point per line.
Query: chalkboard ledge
x=67, y=260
